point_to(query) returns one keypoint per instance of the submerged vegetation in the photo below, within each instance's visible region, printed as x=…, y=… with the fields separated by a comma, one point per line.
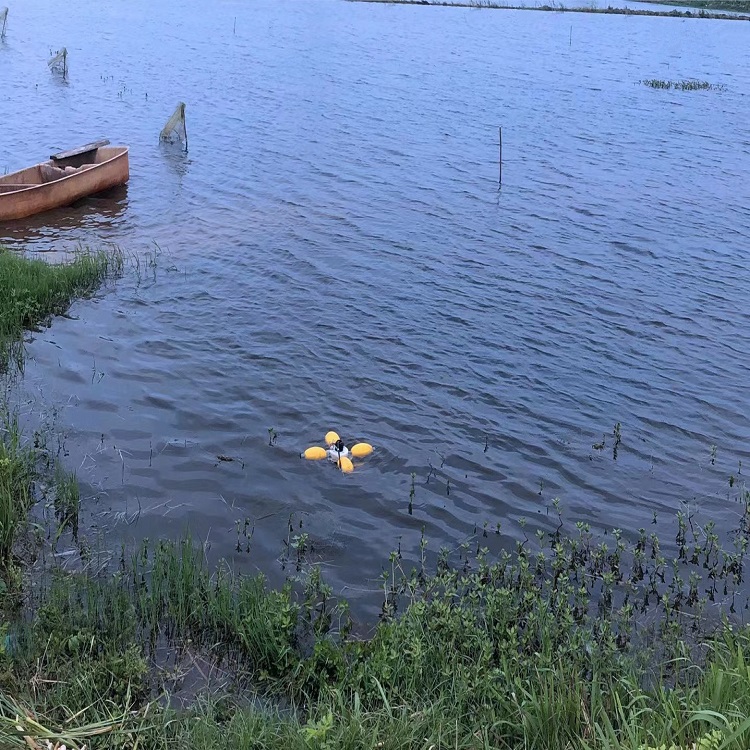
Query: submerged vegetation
x=570, y=637
x=688, y=85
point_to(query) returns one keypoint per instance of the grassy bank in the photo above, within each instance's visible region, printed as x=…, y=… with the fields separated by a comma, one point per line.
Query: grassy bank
x=32, y=291
x=570, y=638
x=560, y=8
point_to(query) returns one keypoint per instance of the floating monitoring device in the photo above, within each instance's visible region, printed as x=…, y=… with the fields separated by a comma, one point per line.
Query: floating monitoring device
x=337, y=452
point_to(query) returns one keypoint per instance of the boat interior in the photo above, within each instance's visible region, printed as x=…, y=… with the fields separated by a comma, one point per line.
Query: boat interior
x=57, y=168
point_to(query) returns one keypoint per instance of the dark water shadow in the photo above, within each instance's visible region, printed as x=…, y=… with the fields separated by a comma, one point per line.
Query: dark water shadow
x=175, y=156
x=58, y=79
x=101, y=210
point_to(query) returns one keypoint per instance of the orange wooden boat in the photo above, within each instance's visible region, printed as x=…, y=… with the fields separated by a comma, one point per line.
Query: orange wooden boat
x=63, y=179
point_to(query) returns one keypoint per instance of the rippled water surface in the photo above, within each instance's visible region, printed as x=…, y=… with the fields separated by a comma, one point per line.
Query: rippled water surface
x=335, y=254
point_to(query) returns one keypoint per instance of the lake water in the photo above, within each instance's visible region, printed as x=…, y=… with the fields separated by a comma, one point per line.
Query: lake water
x=335, y=254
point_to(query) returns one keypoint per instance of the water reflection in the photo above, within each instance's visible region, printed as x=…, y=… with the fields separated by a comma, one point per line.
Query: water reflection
x=175, y=157
x=98, y=211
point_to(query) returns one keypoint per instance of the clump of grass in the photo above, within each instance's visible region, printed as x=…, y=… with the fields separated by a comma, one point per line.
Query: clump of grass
x=23, y=728
x=67, y=501
x=32, y=291
x=174, y=594
x=687, y=85
x=16, y=477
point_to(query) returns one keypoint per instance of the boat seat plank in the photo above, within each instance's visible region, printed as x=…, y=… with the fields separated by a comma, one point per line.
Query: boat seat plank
x=80, y=150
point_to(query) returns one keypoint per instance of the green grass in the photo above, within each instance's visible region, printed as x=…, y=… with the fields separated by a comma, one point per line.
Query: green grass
x=16, y=484
x=67, y=501
x=32, y=291
x=564, y=642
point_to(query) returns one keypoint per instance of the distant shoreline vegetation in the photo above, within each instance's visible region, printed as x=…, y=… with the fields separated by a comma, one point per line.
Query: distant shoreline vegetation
x=741, y=6
x=559, y=8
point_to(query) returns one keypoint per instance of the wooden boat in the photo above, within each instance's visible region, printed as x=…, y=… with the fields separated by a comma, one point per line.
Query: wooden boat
x=63, y=179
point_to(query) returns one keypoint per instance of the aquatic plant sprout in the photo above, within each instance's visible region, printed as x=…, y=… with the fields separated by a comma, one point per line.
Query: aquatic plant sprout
x=688, y=85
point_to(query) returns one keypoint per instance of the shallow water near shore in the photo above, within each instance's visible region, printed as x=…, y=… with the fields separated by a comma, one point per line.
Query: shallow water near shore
x=333, y=253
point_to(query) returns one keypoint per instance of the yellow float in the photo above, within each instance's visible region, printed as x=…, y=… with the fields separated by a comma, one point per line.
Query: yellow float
x=315, y=453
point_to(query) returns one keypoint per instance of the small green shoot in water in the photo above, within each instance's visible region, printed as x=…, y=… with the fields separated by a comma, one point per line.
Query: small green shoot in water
x=411, y=494
x=713, y=455
x=272, y=435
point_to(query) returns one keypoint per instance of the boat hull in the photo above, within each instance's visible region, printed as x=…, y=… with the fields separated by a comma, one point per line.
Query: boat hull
x=26, y=197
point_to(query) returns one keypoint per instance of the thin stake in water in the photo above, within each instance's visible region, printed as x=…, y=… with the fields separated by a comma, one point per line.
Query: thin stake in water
x=500, y=176
x=3, y=21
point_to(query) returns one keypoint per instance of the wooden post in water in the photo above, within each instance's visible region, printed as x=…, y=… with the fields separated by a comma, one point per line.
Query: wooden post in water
x=61, y=56
x=176, y=124
x=3, y=21
x=570, y=41
x=500, y=176
x=234, y=28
